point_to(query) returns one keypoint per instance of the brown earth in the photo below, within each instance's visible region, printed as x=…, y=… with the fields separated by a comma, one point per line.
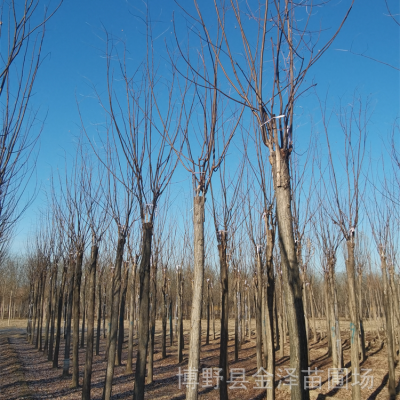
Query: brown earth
x=26, y=374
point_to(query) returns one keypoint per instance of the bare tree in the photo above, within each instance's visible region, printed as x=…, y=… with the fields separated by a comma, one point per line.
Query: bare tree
x=294, y=50
x=142, y=135
x=225, y=212
x=22, y=32
x=343, y=206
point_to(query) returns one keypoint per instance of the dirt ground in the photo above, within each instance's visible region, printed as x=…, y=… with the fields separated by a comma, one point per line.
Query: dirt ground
x=26, y=374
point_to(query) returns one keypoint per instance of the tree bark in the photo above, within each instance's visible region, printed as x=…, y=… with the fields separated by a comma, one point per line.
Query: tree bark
x=152, y=325
x=164, y=316
x=143, y=332
x=258, y=305
x=180, y=317
x=223, y=353
x=269, y=304
x=75, y=336
x=53, y=313
x=195, y=323
x=68, y=317
x=59, y=316
x=131, y=319
x=354, y=325
x=82, y=345
x=99, y=306
x=112, y=340
x=290, y=270
x=388, y=313
x=121, y=328
x=87, y=377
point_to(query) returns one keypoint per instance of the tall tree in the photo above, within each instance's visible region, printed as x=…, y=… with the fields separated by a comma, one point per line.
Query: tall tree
x=242, y=55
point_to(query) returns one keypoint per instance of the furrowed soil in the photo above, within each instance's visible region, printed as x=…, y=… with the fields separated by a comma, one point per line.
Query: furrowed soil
x=25, y=372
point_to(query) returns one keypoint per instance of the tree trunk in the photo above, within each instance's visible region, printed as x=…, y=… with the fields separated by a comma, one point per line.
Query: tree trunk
x=180, y=312
x=290, y=270
x=99, y=306
x=208, y=314
x=269, y=304
x=152, y=325
x=237, y=305
x=131, y=319
x=83, y=316
x=87, y=377
x=75, y=336
x=59, y=316
x=337, y=354
x=362, y=333
x=53, y=313
x=223, y=353
x=48, y=316
x=115, y=296
x=388, y=313
x=195, y=323
x=258, y=305
x=171, y=338
x=328, y=313
x=354, y=325
x=315, y=338
x=164, y=316
x=68, y=317
x=121, y=328
x=143, y=332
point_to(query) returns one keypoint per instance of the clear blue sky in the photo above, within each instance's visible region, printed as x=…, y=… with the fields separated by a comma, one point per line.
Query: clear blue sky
x=75, y=48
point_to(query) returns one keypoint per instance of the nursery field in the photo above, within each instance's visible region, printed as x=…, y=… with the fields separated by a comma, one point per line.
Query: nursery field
x=26, y=374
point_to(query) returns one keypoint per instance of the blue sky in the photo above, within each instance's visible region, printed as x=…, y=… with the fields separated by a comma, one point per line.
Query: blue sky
x=74, y=64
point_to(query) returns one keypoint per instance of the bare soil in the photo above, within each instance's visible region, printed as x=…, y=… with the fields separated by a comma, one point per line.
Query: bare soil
x=25, y=373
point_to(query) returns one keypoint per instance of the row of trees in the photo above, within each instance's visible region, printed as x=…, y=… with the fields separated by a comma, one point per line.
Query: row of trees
x=273, y=213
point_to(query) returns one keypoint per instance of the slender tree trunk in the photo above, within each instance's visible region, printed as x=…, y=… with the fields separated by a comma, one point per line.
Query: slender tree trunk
x=213, y=314
x=236, y=302
x=121, y=329
x=60, y=299
x=361, y=323
x=337, y=354
x=53, y=313
x=390, y=345
x=131, y=319
x=195, y=323
x=282, y=317
x=143, y=332
x=164, y=317
x=68, y=317
x=34, y=310
x=99, y=306
x=315, y=338
x=38, y=313
x=269, y=304
x=40, y=322
x=223, y=353
x=208, y=314
x=48, y=316
x=87, y=377
x=354, y=325
x=258, y=307
x=115, y=296
x=290, y=270
x=75, y=336
x=30, y=313
x=83, y=316
x=152, y=325
x=180, y=317
x=327, y=313
x=171, y=338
